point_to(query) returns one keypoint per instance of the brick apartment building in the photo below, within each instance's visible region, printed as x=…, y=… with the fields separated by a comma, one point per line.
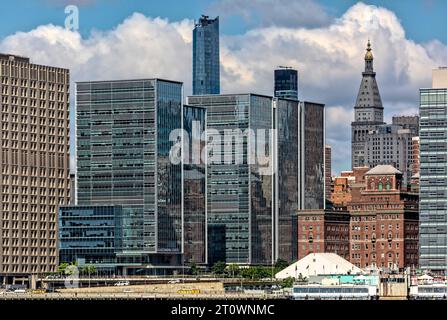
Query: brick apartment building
x=377, y=228
x=323, y=231
x=384, y=222
x=347, y=184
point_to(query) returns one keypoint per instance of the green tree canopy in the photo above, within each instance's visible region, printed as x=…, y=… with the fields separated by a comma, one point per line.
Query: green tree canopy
x=218, y=268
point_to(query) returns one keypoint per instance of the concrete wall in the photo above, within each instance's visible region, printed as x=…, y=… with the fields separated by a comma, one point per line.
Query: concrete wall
x=204, y=287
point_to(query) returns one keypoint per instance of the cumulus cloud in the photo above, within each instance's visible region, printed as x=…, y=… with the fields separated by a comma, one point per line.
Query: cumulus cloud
x=140, y=47
x=330, y=62
x=284, y=13
x=329, y=59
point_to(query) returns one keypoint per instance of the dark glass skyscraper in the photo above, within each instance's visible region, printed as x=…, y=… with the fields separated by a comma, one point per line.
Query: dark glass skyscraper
x=194, y=186
x=123, y=148
x=250, y=215
x=90, y=235
x=206, y=61
x=311, y=149
x=239, y=203
x=286, y=123
x=286, y=83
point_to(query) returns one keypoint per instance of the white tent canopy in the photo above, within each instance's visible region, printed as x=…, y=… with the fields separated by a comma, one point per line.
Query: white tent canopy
x=316, y=264
x=425, y=277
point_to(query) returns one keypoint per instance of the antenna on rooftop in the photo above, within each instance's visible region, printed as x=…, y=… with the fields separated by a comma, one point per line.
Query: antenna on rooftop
x=284, y=67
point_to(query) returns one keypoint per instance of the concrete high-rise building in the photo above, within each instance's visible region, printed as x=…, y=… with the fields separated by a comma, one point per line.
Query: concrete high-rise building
x=206, y=57
x=433, y=174
x=407, y=122
x=286, y=83
x=368, y=111
x=327, y=171
x=123, y=159
x=35, y=169
x=391, y=144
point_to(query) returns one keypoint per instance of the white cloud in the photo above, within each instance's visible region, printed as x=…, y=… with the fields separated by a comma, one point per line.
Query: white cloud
x=329, y=60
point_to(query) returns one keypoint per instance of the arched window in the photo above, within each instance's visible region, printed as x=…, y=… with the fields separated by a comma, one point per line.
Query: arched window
x=388, y=186
x=380, y=186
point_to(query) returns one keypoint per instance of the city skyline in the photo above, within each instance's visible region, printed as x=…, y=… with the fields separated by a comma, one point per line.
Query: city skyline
x=328, y=55
x=176, y=155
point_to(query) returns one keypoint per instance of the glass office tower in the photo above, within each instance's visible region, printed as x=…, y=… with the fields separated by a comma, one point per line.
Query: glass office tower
x=247, y=223
x=194, y=186
x=433, y=176
x=239, y=208
x=123, y=150
x=286, y=179
x=206, y=61
x=311, y=165
x=286, y=83
x=90, y=235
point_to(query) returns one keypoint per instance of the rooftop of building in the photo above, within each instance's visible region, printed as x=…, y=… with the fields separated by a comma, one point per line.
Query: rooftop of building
x=253, y=94
x=26, y=60
x=205, y=20
x=383, y=169
x=129, y=80
x=13, y=57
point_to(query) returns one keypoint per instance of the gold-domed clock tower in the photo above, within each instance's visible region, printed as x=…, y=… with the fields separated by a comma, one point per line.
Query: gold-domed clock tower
x=368, y=110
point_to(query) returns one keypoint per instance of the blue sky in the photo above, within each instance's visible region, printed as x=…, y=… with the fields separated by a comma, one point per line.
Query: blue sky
x=423, y=20
x=324, y=39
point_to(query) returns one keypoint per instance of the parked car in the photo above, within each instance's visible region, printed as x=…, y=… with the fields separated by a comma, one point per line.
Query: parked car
x=174, y=281
x=19, y=291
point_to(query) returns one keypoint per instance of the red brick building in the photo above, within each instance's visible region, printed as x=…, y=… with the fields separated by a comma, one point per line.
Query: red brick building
x=323, y=231
x=327, y=171
x=384, y=222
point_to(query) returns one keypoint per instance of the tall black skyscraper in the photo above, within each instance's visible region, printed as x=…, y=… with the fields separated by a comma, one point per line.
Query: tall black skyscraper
x=206, y=63
x=286, y=83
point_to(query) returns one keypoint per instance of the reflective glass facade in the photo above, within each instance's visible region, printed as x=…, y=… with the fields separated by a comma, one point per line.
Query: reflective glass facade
x=311, y=172
x=249, y=214
x=206, y=61
x=286, y=83
x=194, y=184
x=89, y=235
x=286, y=182
x=433, y=179
x=261, y=185
x=228, y=206
x=123, y=149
